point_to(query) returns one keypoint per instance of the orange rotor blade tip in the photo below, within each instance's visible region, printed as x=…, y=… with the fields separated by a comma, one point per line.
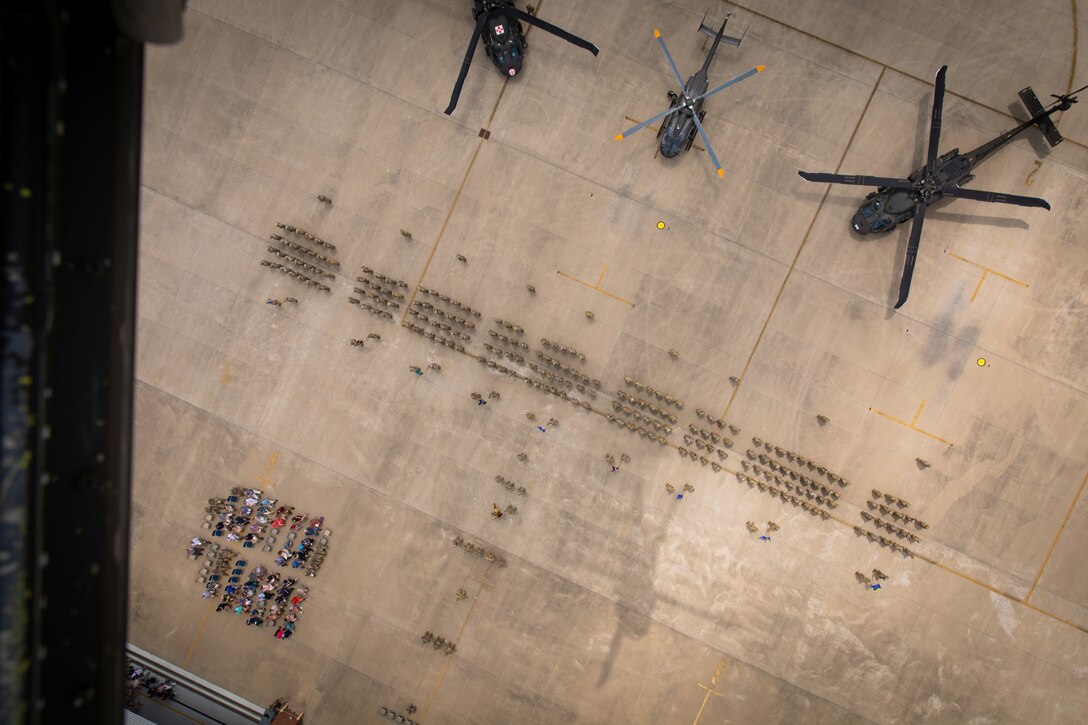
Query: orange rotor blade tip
x=619, y=137
x=759, y=68
x=721, y=172
x=657, y=33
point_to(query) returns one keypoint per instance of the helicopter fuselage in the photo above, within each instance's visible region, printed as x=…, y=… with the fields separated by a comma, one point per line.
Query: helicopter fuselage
x=886, y=208
x=503, y=38
x=678, y=128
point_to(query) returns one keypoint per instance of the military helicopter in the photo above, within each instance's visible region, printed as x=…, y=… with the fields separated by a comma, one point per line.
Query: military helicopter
x=897, y=200
x=685, y=113
x=505, y=43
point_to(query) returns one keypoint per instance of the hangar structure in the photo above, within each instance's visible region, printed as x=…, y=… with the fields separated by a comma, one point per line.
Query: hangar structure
x=591, y=434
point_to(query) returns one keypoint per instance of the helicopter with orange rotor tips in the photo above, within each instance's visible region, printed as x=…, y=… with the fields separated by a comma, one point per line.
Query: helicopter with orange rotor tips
x=683, y=118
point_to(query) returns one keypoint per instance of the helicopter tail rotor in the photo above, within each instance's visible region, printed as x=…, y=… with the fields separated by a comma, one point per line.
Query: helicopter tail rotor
x=1068, y=99
x=1042, y=119
x=712, y=33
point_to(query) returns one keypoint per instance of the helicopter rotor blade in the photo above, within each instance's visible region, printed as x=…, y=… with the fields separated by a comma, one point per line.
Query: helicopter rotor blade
x=996, y=197
x=856, y=180
x=668, y=57
x=646, y=123
x=935, y=121
x=738, y=79
x=912, y=253
x=553, y=29
x=709, y=146
x=468, y=61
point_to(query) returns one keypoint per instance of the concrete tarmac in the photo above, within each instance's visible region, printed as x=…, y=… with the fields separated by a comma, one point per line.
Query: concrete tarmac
x=744, y=298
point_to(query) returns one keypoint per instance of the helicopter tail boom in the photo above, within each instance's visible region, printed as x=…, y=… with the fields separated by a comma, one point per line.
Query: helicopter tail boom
x=1041, y=118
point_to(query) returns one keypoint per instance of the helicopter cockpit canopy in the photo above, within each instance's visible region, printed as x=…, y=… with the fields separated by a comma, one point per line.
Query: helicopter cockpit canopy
x=505, y=50
x=871, y=217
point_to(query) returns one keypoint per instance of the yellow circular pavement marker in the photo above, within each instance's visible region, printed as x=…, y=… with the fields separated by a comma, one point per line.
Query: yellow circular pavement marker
x=661, y=225
x=981, y=362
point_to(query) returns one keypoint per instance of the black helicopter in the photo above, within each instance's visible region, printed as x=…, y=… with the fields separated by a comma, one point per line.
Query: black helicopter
x=685, y=112
x=505, y=42
x=897, y=200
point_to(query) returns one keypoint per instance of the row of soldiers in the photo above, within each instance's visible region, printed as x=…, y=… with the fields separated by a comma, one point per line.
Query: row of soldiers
x=696, y=457
x=894, y=546
x=478, y=551
x=646, y=405
x=644, y=388
x=295, y=275
x=440, y=643
x=800, y=460
x=499, y=352
x=516, y=329
x=700, y=445
x=392, y=304
x=388, y=280
x=804, y=486
x=901, y=503
x=562, y=348
x=424, y=305
x=708, y=435
x=786, y=497
x=777, y=467
x=631, y=413
x=378, y=288
x=721, y=424
x=304, y=233
x=449, y=300
x=300, y=263
x=892, y=528
x=452, y=344
x=586, y=380
x=508, y=340
x=305, y=250
x=510, y=485
x=635, y=428
x=875, y=505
